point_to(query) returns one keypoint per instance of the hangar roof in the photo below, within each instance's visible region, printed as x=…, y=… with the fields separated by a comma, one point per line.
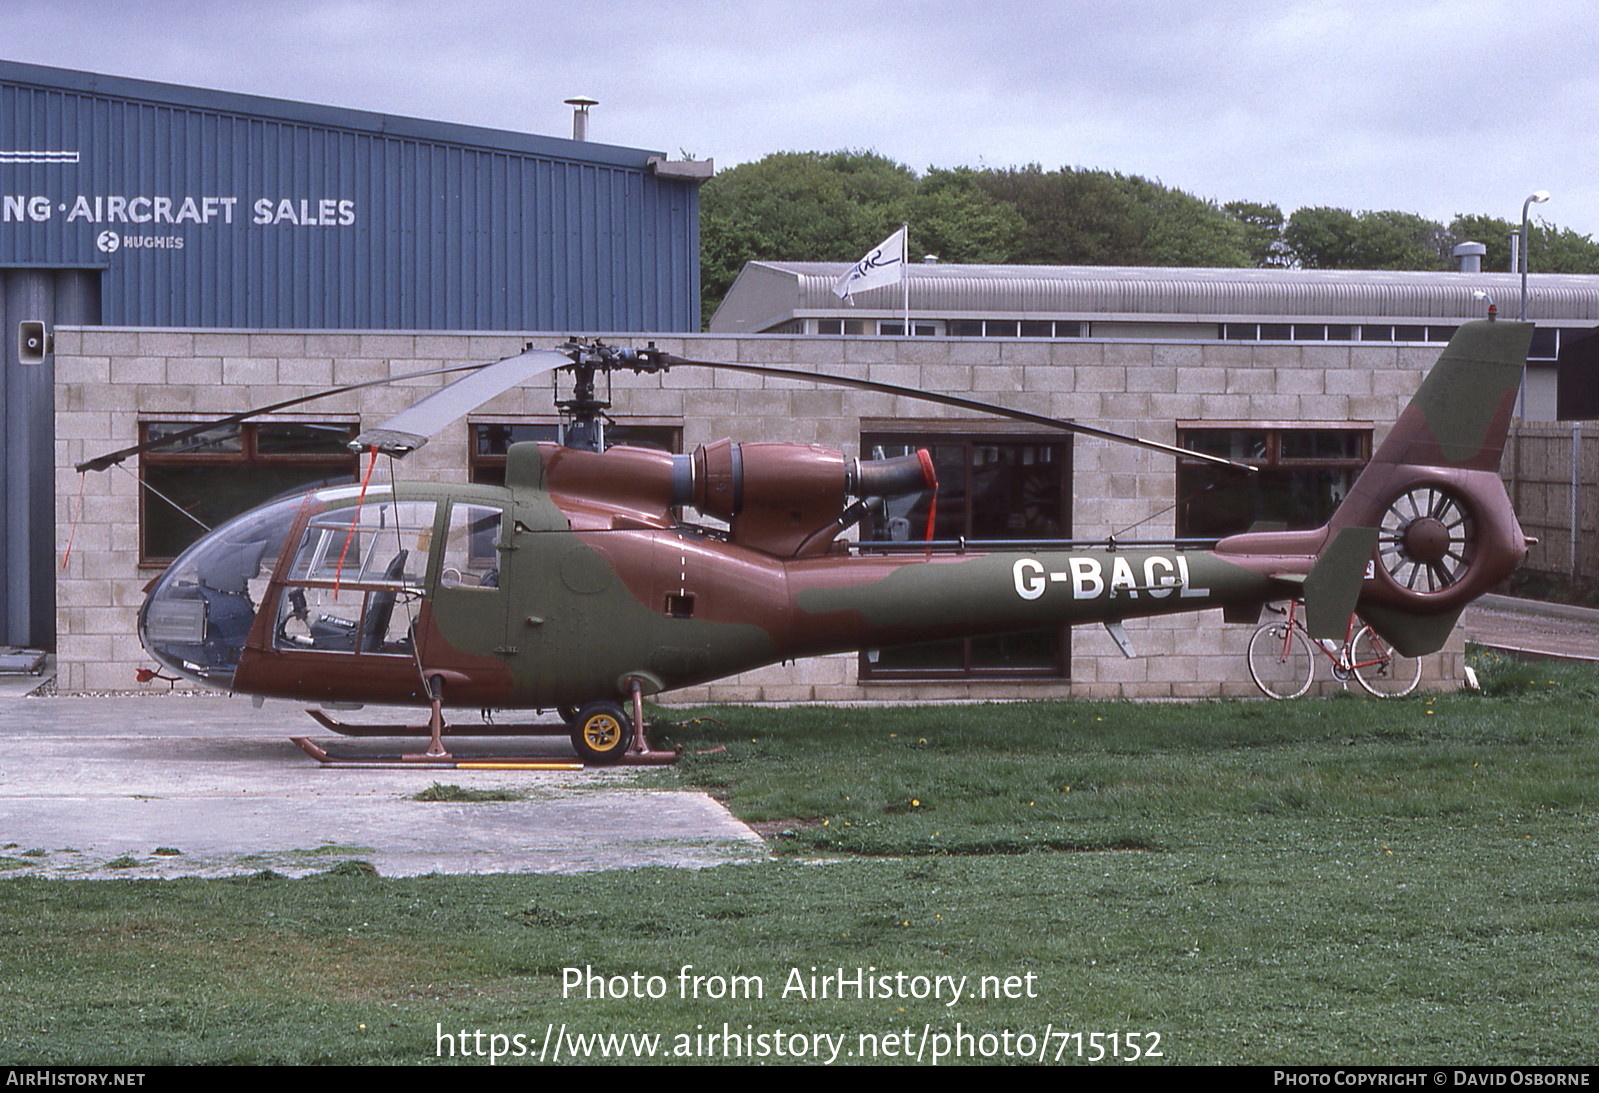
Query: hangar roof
x=328, y=117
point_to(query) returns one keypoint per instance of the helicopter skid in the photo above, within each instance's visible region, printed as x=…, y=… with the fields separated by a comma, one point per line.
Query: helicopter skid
x=431, y=762
x=344, y=761
x=518, y=729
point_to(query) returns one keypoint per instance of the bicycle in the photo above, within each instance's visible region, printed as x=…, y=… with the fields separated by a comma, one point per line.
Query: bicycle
x=1282, y=666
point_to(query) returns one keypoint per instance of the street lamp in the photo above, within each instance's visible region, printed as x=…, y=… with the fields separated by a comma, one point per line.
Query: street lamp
x=1539, y=198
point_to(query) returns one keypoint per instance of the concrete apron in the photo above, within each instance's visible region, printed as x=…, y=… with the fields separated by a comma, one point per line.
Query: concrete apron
x=101, y=787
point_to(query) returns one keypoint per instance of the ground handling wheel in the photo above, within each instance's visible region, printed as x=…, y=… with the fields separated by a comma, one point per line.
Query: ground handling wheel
x=601, y=733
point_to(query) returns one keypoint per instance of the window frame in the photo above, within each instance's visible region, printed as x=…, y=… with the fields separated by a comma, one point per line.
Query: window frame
x=343, y=466
x=936, y=433
x=1271, y=462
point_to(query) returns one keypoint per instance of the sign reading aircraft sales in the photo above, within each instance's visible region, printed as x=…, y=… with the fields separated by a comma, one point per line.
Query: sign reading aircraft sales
x=149, y=214
x=305, y=212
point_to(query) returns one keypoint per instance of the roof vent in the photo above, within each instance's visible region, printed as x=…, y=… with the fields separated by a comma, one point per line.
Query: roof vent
x=580, y=115
x=1470, y=256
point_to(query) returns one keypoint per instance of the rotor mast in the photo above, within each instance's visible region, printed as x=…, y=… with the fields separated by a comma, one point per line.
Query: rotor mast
x=583, y=416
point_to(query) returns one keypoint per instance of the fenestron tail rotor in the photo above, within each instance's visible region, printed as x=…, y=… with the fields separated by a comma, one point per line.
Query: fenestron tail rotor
x=1427, y=540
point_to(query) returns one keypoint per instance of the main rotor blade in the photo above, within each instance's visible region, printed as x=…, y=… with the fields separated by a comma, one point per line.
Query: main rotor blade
x=111, y=459
x=409, y=429
x=960, y=403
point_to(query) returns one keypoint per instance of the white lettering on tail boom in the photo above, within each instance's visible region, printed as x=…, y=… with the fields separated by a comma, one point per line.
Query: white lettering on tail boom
x=1086, y=574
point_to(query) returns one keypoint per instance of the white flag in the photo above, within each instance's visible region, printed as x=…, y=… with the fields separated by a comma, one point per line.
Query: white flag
x=884, y=264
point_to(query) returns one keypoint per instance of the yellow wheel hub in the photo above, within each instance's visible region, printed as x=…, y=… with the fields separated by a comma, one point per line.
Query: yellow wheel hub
x=602, y=732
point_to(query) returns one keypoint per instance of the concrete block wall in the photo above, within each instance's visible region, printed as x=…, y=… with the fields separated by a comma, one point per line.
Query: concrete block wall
x=111, y=379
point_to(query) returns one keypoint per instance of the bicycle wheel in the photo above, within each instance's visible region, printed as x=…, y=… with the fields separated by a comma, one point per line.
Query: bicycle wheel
x=1280, y=661
x=1381, y=670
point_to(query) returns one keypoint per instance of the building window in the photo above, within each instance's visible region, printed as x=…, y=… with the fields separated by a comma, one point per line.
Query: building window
x=920, y=328
x=1014, y=328
x=210, y=478
x=492, y=440
x=1334, y=332
x=1304, y=473
x=1547, y=341
x=989, y=487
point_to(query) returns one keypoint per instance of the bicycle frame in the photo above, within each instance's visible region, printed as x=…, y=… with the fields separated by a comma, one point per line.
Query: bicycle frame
x=1281, y=664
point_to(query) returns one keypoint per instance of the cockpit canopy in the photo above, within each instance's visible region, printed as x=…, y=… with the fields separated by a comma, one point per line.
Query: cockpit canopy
x=198, y=613
x=351, y=582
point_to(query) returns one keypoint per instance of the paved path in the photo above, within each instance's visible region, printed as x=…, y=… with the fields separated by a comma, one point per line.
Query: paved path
x=1529, y=627
x=85, y=781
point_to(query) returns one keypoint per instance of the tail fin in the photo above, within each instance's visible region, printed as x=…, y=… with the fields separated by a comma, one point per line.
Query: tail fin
x=1459, y=417
x=1446, y=531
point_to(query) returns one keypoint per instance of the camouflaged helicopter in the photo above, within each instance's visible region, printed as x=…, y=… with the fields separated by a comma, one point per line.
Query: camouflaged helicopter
x=581, y=586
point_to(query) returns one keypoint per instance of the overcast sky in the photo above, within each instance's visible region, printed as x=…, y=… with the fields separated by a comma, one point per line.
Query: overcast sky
x=1436, y=108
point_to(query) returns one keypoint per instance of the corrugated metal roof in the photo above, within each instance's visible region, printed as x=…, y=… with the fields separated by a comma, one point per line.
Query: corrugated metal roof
x=240, y=105
x=782, y=289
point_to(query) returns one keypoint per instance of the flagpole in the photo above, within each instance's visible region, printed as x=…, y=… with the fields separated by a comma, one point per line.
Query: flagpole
x=905, y=270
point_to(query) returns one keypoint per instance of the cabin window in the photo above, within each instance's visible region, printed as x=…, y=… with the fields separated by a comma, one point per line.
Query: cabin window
x=989, y=487
x=357, y=579
x=471, y=559
x=223, y=472
x=1304, y=473
x=492, y=440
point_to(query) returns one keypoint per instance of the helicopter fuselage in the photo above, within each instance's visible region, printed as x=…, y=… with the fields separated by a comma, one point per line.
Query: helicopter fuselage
x=579, y=581
x=513, y=601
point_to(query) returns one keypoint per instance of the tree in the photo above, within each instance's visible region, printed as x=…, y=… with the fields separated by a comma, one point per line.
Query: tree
x=1263, y=232
x=833, y=207
x=1100, y=218
x=1326, y=238
x=952, y=217
x=1553, y=249
x=1561, y=250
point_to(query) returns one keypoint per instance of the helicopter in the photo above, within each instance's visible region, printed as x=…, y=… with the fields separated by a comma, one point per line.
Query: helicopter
x=581, y=585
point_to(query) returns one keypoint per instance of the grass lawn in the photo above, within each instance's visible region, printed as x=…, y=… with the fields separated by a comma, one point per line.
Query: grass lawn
x=1324, y=881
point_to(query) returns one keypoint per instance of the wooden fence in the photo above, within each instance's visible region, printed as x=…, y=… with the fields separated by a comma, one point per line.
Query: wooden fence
x=1552, y=473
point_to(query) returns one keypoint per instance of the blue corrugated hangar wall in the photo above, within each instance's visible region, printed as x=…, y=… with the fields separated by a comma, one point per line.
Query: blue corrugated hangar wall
x=142, y=204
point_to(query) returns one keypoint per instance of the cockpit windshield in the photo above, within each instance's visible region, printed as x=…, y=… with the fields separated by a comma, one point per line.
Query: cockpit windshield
x=198, y=614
